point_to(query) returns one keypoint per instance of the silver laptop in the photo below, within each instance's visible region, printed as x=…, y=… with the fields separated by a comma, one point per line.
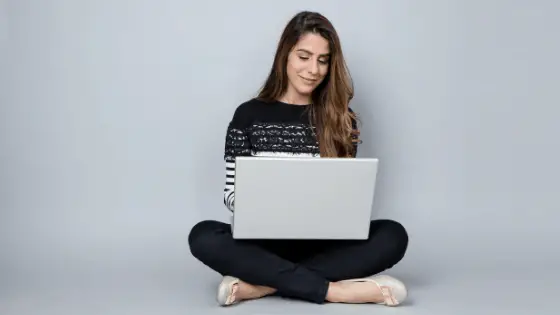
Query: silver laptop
x=303, y=198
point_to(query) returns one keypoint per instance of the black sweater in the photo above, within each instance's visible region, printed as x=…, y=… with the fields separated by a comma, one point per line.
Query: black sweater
x=267, y=129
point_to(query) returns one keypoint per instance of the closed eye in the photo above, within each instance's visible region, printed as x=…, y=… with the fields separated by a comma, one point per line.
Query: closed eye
x=324, y=62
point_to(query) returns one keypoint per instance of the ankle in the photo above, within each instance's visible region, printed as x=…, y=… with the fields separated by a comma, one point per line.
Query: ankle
x=244, y=290
x=354, y=292
x=265, y=290
x=247, y=291
x=335, y=293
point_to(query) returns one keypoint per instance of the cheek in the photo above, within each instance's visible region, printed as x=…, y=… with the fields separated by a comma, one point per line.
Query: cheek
x=323, y=70
x=296, y=65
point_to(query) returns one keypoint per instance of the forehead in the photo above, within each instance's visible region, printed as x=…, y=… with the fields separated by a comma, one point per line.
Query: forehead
x=313, y=43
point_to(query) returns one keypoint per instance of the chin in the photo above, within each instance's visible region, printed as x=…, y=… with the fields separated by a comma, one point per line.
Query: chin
x=305, y=90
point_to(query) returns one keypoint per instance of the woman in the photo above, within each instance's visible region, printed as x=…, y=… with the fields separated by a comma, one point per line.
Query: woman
x=302, y=110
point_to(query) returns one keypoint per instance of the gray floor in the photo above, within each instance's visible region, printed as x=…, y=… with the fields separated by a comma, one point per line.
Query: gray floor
x=192, y=291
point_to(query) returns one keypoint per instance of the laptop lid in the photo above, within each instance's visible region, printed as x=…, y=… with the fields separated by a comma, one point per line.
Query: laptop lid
x=303, y=198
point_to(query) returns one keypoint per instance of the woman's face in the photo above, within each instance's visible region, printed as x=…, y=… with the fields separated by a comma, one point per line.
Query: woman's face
x=308, y=63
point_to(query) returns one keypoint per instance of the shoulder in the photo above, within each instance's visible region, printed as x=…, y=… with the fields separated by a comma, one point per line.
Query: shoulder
x=246, y=107
x=243, y=113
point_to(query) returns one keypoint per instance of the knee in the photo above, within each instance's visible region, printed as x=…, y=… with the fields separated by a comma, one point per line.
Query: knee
x=200, y=236
x=395, y=234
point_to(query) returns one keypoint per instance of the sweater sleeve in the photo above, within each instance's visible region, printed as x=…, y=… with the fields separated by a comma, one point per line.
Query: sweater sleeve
x=236, y=144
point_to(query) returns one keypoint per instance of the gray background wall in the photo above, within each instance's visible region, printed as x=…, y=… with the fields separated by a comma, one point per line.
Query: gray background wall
x=113, y=117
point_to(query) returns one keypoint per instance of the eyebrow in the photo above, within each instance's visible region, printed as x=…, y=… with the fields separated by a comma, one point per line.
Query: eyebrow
x=307, y=51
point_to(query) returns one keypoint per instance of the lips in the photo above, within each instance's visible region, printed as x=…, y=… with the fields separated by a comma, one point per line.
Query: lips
x=308, y=81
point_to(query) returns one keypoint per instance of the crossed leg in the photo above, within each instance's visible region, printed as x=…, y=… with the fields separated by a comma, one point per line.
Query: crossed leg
x=265, y=272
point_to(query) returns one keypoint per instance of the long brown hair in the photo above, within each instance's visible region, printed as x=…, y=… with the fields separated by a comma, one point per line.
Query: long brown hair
x=329, y=111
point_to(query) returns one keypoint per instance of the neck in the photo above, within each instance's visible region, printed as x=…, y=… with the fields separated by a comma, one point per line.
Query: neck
x=292, y=97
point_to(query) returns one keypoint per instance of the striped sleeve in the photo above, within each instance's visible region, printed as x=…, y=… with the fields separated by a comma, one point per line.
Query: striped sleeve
x=237, y=144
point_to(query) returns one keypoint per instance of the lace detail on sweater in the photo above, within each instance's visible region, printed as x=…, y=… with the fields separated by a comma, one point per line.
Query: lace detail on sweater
x=289, y=138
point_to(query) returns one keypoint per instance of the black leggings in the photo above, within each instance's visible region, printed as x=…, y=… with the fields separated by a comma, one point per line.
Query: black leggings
x=299, y=269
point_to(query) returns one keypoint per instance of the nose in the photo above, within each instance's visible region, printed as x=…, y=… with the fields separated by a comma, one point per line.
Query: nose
x=314, y=67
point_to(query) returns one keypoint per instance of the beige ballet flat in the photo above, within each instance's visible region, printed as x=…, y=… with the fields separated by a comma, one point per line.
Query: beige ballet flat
x=393, y=290
x=225, y=291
